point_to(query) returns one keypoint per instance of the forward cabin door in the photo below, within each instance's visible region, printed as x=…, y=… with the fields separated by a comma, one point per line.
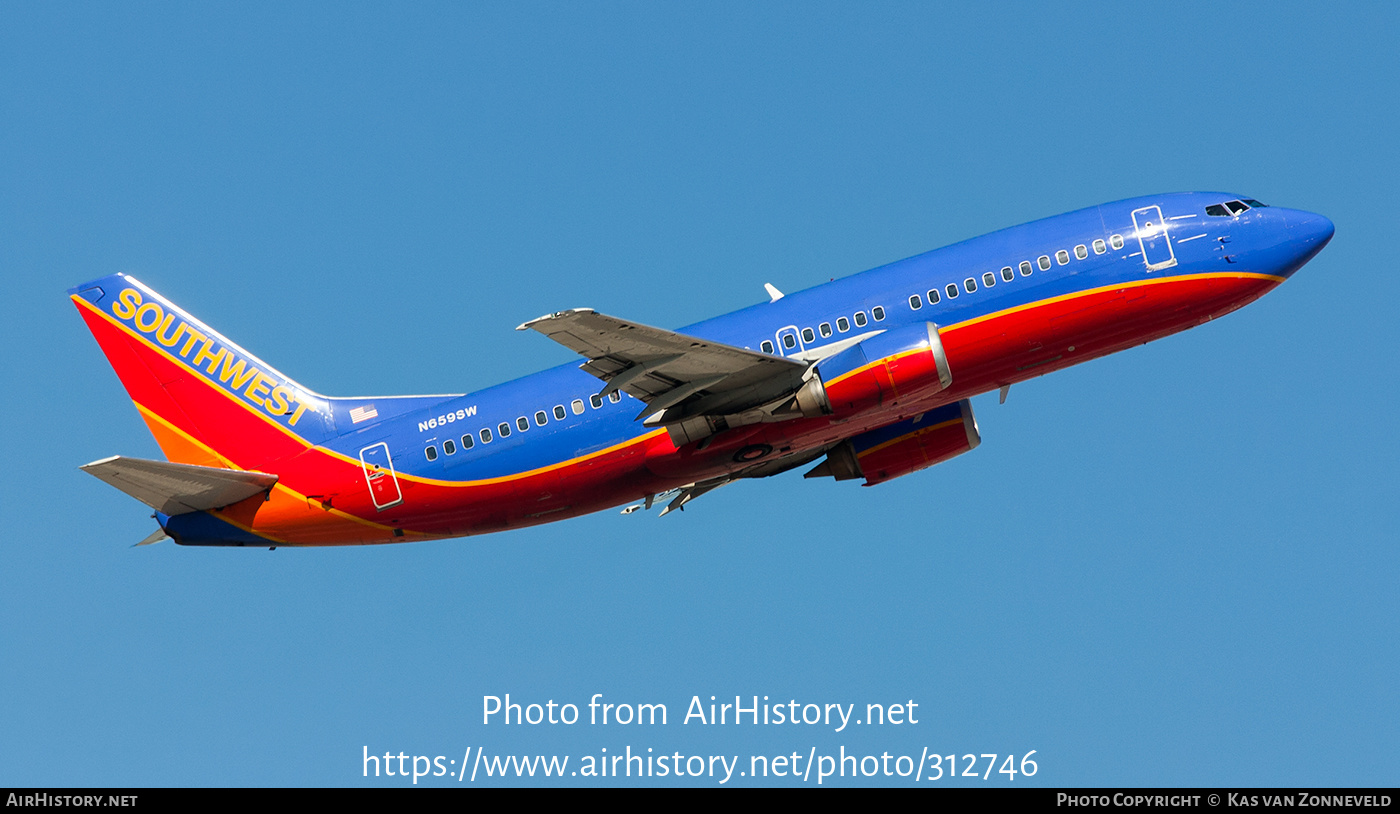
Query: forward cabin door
x=1152, y=236
x=379, y=474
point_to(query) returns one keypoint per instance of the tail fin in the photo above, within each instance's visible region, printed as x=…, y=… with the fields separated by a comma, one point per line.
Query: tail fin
x=206, y=400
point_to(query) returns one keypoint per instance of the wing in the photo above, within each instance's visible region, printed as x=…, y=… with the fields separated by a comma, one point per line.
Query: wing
x=178, y=488
x=676, y=375
x=690, y=491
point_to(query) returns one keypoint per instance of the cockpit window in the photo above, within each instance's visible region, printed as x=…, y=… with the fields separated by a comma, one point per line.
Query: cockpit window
x=1254, y=203
x=1226, y=210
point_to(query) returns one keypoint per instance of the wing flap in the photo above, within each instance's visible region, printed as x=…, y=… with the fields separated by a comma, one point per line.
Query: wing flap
x=173, y=489
x=691, y=491
x=666, y=368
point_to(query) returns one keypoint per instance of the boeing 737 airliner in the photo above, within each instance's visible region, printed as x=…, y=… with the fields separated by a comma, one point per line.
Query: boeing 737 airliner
x=865, y=378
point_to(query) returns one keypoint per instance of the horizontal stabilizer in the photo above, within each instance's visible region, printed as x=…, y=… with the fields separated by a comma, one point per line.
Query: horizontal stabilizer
x=154, y=537
x=179, y=488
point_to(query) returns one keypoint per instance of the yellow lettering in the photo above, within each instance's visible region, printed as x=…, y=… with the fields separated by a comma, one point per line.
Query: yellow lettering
x=214, y=358
x=277, y=402
x=260, y=382
x=127, y=301
x=165, y=326
x=301, y=408
x=195, y=336
x=238, y=372
x=149, y=308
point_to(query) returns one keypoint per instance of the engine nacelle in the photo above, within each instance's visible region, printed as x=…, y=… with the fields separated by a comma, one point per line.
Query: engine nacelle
x=903, y=447
x=905, y=363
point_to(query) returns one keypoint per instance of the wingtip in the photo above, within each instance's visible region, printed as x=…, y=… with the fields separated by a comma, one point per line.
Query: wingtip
x=556, y=315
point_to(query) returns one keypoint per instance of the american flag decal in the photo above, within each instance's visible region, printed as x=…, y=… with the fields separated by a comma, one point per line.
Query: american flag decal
x=364, y=413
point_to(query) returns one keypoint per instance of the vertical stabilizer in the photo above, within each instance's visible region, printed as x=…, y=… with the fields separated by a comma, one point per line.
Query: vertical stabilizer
x=206, y=400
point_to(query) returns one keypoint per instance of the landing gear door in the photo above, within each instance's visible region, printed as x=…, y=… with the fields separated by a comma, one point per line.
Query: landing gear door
x=379, y=474
x=1152, y=236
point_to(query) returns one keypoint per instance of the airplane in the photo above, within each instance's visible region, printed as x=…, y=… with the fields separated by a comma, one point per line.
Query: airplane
x=868, y=378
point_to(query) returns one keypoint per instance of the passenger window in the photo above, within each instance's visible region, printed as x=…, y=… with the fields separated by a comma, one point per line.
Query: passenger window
x=503, y=429
x=523, y=423
x=541, y=419
x=596, y=400
x=932, y=296
x=1116, y=241
x=808, y=336
x=970, y=285
x=1007, y=274
x=989, y=279
x=449, y=447
x=1025, y=268
x=878, y=312
x=767, y=346
x=843, y=324
x=485, y=435
x=1044, y=262
x=789, y=341
x=467, y=442
x=860, y=319
x=1081, y=251
x=559, y=412
x=1100, y=247
x=431, y=452
x=1062, y=257
x=577, y=406
x=952, y=290
x=915, y=303
x=615, y=396
x=824, y=329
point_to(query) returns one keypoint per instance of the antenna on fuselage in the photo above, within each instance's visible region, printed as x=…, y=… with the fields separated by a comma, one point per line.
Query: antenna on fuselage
x=773, y=294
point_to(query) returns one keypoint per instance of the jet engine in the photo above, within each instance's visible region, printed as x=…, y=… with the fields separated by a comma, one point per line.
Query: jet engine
x=903, y=447
x=903, y=363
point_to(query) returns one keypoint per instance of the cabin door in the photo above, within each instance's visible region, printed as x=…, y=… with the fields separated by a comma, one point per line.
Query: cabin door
x=1152, y=236
x=788, y=341
x=379, y=474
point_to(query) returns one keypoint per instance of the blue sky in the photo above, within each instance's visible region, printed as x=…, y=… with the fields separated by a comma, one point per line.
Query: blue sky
x=1176, y=565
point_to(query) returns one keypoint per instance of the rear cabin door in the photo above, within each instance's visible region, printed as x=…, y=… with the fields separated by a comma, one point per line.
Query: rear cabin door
x=1152, y=236
x=379, y=474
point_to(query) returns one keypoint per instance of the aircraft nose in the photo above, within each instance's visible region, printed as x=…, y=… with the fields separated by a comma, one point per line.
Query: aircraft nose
x=1312, y=231
x=1305, y=233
